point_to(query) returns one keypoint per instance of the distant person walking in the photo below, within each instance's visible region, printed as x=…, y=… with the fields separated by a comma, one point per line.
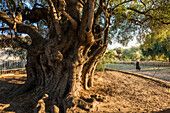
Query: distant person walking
x=137, y=66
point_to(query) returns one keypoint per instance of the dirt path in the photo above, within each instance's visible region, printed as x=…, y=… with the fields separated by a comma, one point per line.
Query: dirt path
x=152, y=71
x=113, y=91
x=128, y=93
x=163, y=74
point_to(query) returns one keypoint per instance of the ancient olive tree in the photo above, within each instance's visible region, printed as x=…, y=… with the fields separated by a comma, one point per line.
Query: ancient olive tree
x=61, y=61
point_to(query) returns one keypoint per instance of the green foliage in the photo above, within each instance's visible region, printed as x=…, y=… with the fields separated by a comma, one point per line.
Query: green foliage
x=119, y=50
x=129, y=18
x=138, y=17
x=154, y=48
x=157, y=44
x=132, y=54
x=126, y=55
x=107, y=58
x=117, y=54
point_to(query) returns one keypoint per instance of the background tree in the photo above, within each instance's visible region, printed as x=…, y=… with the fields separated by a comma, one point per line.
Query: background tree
x=157, y=44
x=135, y=53
x=126, y=55
x=62, y=57
x=108, y=57
x=131, y=54
x=119, y=51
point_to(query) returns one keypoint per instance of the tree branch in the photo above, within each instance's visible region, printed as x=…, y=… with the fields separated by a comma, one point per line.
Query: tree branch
x=74, y=23
x=100, y=46
x=143, y=3
x=14, y=18
x=145, y=13
x=167, y=23
x=120, y=4
x=36, y=14
x=82, y=2
x=101, y=33
x=4, y=28
x=137, y=22
x=106, y=33
x=99, y=11
x=22, y=28
x=90, y=36
x=21, y=44
x=90, y=14
x=83, y=23
x=17, y=18
x=87, y=22
x=140, y=12
x=56, y=19
x=5, y=40
x=62, y=9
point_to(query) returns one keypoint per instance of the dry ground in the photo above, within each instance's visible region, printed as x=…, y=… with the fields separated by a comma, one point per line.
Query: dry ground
x=113, y=91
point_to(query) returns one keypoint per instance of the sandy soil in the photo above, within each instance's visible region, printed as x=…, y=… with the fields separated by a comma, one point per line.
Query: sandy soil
x=113, y=92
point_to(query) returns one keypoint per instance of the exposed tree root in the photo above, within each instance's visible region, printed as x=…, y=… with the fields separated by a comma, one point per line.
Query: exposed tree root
x=32, y=102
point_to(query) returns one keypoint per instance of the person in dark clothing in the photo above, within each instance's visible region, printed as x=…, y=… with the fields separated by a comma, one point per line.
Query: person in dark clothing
x=137, y=66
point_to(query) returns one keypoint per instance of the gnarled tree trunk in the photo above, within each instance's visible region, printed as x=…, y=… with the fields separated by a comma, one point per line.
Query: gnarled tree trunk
x=63, y=63
x=61, y=70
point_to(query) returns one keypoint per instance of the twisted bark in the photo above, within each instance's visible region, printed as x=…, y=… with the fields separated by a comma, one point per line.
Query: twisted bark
x=59, y=67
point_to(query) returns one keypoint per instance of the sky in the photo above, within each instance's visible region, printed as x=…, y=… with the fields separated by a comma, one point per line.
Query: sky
x=130, y=44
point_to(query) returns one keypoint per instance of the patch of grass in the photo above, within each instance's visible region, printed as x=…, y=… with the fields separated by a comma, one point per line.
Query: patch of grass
x=121, y=66
x=133, y=67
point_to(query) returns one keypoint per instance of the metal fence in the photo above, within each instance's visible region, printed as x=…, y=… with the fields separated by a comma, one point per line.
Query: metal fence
x=160, y=70
x=164, y=64
x=7, y=65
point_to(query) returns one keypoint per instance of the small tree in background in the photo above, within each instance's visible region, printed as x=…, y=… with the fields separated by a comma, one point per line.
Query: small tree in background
x=131, y=54
x=109, y=57
x=157, y=44
x=119, y=51
x=126, y=55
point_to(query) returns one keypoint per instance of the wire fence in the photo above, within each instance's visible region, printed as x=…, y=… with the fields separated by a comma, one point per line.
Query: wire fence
x=150, y=63
x=160, y=70
x=7, y=66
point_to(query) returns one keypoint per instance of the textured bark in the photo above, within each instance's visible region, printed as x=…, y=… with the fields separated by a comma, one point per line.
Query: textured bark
x=61, y=77
x=57, y=71
x=60, y=66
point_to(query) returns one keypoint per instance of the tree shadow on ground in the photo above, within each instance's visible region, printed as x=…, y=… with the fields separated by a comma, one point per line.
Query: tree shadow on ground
x=100, y=92
x=8, y=84
x=164, y=111
x=27, y=102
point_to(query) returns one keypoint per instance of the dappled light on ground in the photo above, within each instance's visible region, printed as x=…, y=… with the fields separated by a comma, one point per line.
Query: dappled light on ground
x=15, y=79
x=7, y=83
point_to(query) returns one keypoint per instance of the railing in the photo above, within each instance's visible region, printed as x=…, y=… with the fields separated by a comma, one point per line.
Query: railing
x=164, y=64
x=10, y=66
x=160, y=70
